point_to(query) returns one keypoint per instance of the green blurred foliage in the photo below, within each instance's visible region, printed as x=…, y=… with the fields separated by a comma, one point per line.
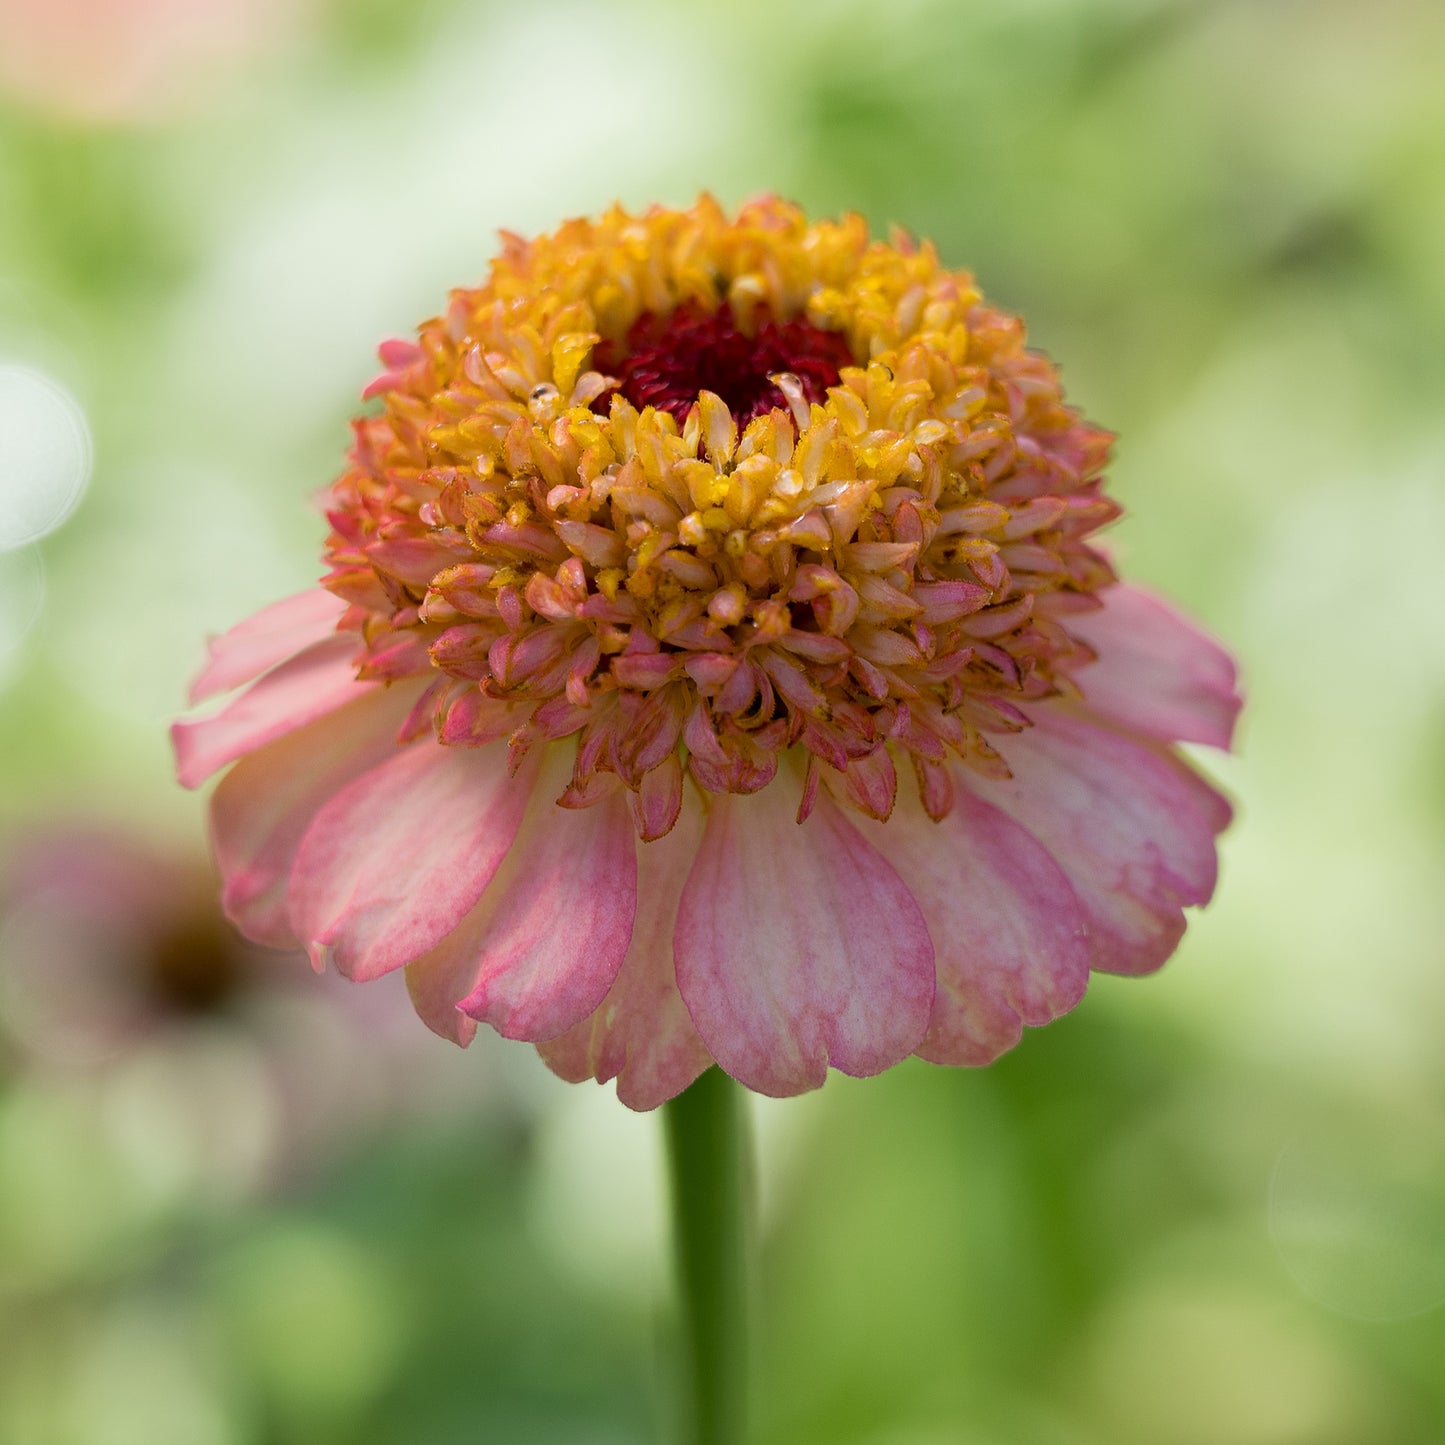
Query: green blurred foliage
x=1208, y=1208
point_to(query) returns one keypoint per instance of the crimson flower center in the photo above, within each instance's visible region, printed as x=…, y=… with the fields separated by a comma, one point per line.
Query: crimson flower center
x=667, y=360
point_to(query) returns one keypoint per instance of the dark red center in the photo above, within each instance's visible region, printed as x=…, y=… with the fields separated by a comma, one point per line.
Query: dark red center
x=667, y=360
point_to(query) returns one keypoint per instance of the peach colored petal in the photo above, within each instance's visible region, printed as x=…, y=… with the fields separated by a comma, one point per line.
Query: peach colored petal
x=642, y=1035
x=314, y=682
x=1008, y=932
x=397, y=858
x=267, y=637
x=798, y=945
x=1156, y=670
x=263, y=806
x=1132, y=829
x=542, y=947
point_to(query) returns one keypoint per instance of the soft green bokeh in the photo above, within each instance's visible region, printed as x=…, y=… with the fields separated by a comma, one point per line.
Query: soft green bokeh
x=1207, y=1208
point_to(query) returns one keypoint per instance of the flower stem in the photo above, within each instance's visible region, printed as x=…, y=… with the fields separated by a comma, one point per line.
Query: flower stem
x=710, y=1168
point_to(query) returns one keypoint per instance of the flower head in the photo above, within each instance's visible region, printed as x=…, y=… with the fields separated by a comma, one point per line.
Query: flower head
x=765, y=550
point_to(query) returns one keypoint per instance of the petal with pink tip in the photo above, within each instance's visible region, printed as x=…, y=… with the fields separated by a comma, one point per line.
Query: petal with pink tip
x=1007, y=930
x=317, y=681
x=263, y=806
x=269, y=636
x=399, y=856
x=541, y=949
x=642, y=1035
x=798, y=945
x=1156, y=671
x=1131, y=826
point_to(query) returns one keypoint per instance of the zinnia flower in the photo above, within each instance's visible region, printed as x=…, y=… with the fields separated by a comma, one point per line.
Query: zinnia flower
x=715, y=665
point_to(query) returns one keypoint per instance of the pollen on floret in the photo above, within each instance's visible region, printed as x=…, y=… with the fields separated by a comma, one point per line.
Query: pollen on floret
x=697, y=491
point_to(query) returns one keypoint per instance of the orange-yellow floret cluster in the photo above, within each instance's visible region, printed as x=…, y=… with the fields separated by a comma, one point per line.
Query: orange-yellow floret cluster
x=883, y=573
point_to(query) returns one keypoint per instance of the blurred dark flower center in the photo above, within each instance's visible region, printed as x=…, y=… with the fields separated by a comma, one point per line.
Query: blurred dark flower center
x=193, y=965
x=667, y=360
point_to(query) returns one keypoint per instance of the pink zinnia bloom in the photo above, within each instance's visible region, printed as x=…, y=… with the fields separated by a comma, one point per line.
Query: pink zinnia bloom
x=715, y=666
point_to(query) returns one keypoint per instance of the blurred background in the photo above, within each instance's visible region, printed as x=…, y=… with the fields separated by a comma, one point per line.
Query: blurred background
x=239, y=1204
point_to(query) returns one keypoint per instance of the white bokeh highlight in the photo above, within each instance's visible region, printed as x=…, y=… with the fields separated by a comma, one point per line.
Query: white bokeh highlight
x=45, y=455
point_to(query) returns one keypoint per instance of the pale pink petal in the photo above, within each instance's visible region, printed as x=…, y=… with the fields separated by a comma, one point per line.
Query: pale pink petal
x=1129, y=824
x=263, y=806
x=642, y=1035
x=1156, y=670
x=397, y=858
x=798, y=946
x=541, y=949
x=1215, y=807
x=437, y=980
x=1007, y=930
x=315, y=682
x=269, y=636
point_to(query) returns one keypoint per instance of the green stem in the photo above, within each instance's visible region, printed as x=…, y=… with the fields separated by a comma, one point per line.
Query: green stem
x=710, y=1168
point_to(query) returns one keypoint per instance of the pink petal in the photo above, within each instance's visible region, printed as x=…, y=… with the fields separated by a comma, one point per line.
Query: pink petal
x=642, y=1035
x=397, y=858
x=266, y=638
x=435, y=982
x=541, y=949
x=1212, y=804
x=1131, y=826
x=263, y=806
x=315, y=682
x=1007, y=930
x=1156, y=670
x=798, y=945
x=656, y=805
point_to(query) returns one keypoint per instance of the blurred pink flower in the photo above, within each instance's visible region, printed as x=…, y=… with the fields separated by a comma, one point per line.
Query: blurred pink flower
x=701, y=527
x=109, y=940
x=114, y=956
x=126, y=60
